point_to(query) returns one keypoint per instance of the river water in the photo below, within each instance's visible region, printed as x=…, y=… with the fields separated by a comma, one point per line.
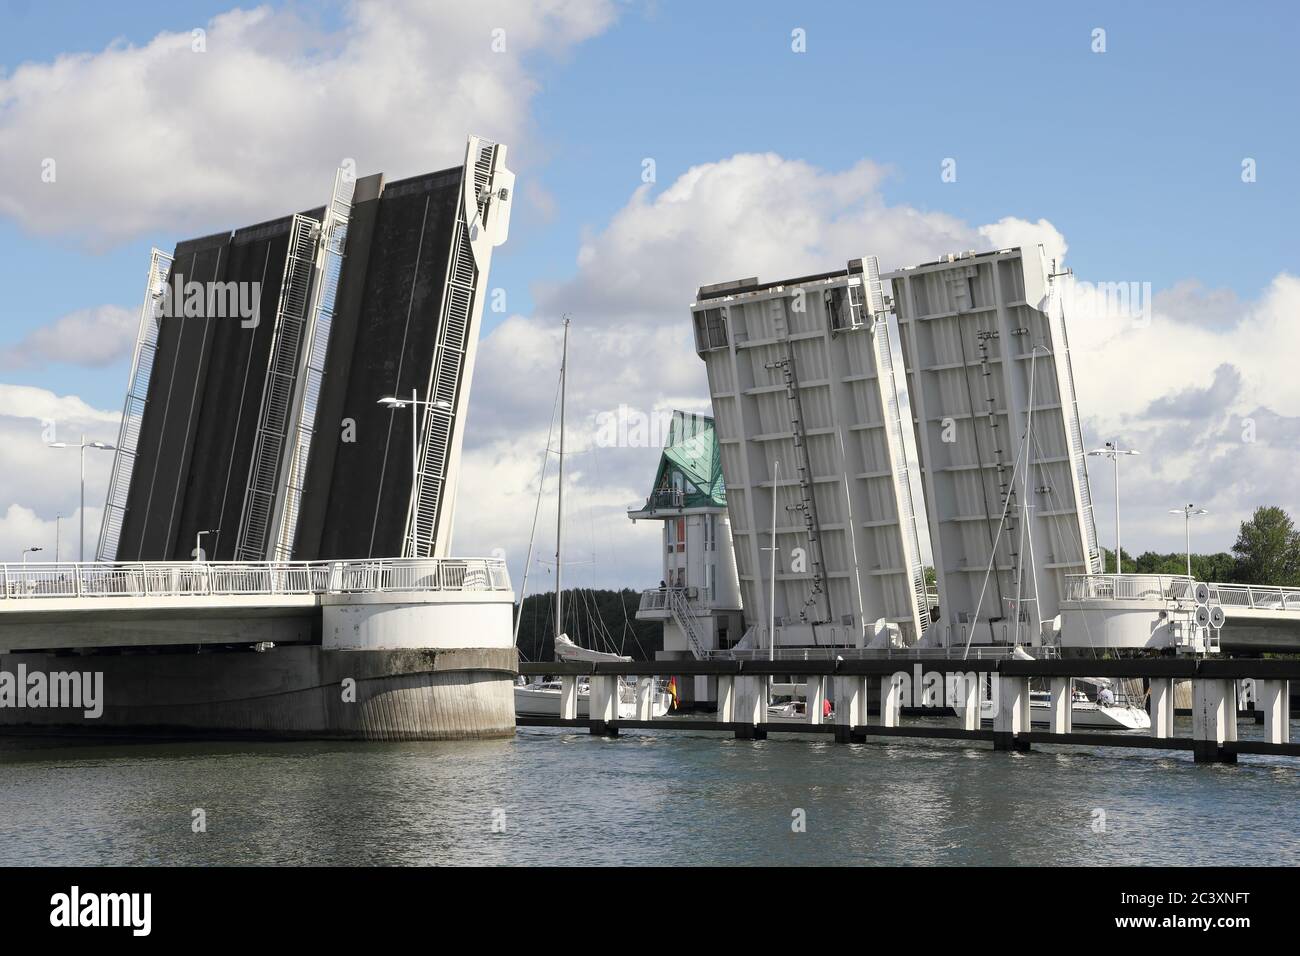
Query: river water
x=558, y=797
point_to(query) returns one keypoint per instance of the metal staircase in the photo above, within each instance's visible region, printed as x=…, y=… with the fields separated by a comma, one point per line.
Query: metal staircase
x=278, y=391
x=315, y=347
x=687, y=620
x=443, y=391
x=137, y=394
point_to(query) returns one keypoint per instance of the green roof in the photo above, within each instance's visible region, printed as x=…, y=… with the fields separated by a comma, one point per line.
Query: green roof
x=693, y=450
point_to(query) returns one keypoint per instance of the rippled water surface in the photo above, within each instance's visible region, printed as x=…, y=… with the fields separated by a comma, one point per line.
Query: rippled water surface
x=654, y=798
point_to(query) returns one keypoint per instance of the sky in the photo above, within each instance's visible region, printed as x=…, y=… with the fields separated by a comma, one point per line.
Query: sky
x=660, y=146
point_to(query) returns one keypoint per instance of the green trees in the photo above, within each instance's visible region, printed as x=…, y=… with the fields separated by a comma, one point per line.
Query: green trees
x=1268, y=548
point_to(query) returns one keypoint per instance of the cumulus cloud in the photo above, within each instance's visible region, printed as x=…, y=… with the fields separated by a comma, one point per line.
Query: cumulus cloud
x=40, y=482
x=262, y=116
x=89, y=337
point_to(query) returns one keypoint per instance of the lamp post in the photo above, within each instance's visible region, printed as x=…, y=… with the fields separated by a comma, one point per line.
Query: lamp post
x=27, y=551
x=82, y=446
x=1187, y=511
x=393, y=401
x=1112, y=451
x=198, y=543
x=58, y=520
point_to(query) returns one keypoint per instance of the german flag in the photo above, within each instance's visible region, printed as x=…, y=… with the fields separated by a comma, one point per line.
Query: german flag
x=672, y=690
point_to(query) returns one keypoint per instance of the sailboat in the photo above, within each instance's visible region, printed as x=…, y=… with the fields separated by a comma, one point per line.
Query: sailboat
x=542, y=698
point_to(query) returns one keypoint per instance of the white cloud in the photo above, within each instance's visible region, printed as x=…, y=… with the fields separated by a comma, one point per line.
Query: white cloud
x=39, y=482
x=159, y=136
x=90, y=337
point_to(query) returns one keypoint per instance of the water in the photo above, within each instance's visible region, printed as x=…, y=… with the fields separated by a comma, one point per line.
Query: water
x=653, y=798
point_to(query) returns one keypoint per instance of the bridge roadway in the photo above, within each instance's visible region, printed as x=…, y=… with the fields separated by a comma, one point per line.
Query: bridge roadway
x=46, y=607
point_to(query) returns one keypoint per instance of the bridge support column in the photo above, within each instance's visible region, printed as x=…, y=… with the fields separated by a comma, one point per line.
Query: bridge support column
x=1061, y=719
x=602, y=705
x=1162, y=707
x=645, y=695
x=891, y=699
x=850, y=708
x=1273, y=697
x=1214, y=719
x=1009, y=720
x=569, y=697
x=751, y=707
x=726, y=698
x=815, y=698
x=966, y=699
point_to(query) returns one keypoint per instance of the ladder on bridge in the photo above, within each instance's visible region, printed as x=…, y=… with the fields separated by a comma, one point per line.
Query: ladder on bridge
x=277, y=391
x=137, y=394
x=419, y=540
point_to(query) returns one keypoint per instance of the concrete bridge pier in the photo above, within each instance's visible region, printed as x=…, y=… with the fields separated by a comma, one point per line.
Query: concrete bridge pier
x=751, y=707
x=967, y=703
x=815, y=698
x=1162, y=707
x=602, y=705
x=850, y=708
x=726, y=699
x=1214, y=719
x=891, y=699
x=1012, y=717
x=569, y=697
x=1273, y=698
x=1061, y=719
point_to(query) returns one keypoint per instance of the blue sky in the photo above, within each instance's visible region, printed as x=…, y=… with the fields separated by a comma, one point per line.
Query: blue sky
x=1133, y=154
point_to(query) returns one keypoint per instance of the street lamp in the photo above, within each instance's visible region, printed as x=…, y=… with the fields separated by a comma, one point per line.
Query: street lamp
x=27, y=551
x=82, y=446
x=198, y=543
x=1112, y=451
x=393, y=401
x=1187, y=511
x=58, y=520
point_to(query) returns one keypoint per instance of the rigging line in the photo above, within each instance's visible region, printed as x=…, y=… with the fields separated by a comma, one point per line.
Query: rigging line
x=1027, y=499
x=532, y=535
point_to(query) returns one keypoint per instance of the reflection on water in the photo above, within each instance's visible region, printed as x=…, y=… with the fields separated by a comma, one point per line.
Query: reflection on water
x=677, y=799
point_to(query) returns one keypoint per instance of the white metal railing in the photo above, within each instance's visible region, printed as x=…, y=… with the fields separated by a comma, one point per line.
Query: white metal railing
x=1256, y=597
x=1128, y=587
x=195, y=579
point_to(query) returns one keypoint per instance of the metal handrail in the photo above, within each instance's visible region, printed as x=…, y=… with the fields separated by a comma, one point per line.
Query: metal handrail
x=1178, y=587
x=217, y=578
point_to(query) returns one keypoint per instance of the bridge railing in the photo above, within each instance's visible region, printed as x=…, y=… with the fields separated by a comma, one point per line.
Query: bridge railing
x=1128, y=587
x=216, y=578
x=1254, y=597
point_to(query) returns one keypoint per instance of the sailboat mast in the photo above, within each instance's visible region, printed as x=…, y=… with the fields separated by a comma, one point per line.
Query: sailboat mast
x=559, y=496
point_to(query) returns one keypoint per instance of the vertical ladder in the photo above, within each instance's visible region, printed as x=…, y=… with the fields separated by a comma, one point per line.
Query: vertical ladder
x=277, y=392
x=807, y=505
x=137, y=394
x=315, y=347
x=443, y=392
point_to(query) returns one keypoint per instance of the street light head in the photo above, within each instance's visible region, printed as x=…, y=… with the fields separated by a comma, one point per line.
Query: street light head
x=57, y=444
x=103, y=446
x=445, y=405
x=392, y=402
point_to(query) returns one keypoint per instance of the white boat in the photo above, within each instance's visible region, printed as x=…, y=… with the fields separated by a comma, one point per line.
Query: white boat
x=1085, y=713
x=542, y=699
